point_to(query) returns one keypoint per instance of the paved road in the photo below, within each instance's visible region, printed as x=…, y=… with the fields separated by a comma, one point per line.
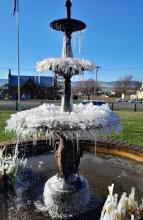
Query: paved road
x=116, y=106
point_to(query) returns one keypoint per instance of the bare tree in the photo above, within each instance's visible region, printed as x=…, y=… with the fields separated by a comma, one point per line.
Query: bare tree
x=137, y=85
x=123, y=85
x=87, y=88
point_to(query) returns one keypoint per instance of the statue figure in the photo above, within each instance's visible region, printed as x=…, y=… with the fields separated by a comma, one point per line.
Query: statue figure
x=67, y=157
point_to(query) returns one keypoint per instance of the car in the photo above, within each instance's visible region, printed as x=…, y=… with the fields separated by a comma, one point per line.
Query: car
x=135, y=101
x=118, y=100
x=94, y=102
x=121, y=100
x=1, y=97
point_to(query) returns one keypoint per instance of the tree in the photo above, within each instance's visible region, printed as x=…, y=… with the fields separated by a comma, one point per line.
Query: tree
x=137, y=85
x=125, y=85
x=87, y=88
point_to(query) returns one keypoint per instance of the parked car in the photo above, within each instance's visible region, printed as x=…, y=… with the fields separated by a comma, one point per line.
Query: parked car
x=121, y=100
x=135, y=101
x=94, y=102
x=1, y=97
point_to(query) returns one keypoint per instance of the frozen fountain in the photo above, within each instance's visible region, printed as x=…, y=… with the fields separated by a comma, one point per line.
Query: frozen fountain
x=67, y=193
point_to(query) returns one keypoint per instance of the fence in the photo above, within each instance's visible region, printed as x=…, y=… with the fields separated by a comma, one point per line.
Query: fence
x=125, y=106
x=28, y=104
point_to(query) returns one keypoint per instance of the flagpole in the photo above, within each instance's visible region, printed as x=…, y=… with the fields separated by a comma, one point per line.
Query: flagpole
x=18, y=56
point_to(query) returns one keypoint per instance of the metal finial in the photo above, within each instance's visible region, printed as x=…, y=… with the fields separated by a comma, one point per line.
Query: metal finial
x=68, y=8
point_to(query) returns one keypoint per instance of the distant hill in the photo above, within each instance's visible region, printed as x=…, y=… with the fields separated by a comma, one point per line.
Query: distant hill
x=103, y=84
x=107, y=84
x=3, y=82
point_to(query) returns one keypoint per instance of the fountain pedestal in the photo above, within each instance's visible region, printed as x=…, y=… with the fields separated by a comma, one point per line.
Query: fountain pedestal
x=66, y=194
x=67, y=157
x=66, y=199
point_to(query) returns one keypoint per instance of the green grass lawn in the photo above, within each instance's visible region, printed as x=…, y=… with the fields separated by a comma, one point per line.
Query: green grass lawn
x=4, y=137
x=132, y=124
x=132, y=132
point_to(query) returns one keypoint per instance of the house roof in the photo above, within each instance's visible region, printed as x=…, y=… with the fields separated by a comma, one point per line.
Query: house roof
x=40, y=81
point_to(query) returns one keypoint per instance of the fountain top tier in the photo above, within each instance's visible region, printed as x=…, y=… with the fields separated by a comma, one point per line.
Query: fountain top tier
x=66, y=65
x=68, y=25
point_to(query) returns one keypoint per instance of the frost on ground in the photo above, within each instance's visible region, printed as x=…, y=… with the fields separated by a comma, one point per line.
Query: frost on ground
x=85, y=122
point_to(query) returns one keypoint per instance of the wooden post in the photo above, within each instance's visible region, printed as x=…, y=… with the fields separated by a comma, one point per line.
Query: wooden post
x=112, y=106
x=135, y=107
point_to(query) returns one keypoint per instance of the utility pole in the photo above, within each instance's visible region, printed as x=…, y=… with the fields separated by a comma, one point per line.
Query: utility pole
x=16, y=11
x=96, y=73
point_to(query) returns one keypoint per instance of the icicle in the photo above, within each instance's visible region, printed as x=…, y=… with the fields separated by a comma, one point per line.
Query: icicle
x=77, y=143
x=110, y=188
x=64, y=47
x=16, y=148
x=39, y=80
x=95, y=144
x=53, y=139
x=50, y=139
x=131, y=201
x=34, y=139
x=74, y=41
x=79, y=44
x=62, y=104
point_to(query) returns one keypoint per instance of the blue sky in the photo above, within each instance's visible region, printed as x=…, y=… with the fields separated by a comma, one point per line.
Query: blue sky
x=113, y=39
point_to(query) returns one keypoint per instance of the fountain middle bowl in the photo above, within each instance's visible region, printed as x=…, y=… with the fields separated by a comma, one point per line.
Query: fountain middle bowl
x=85, y=122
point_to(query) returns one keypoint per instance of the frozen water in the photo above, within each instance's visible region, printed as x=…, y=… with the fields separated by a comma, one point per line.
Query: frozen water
x=62, y=202
x=126, y=208
x=10, y=163
x=65, y=66
x=85, y=122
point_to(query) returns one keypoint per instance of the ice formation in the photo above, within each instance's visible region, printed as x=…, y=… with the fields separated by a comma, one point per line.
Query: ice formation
x=126, y=208
x=85, y=122
x=64, y=66
x=10, y=164
x=64, y=202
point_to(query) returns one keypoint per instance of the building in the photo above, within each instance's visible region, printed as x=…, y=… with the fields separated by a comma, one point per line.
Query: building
x=139, y=93
x=32, y=87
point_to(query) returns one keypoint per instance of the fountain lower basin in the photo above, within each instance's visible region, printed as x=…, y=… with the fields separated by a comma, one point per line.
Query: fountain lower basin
x=101, y=171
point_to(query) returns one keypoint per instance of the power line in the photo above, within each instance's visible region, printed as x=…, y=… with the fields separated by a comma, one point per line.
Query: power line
x=14, y=68
x=123, y=68
x=101, y=68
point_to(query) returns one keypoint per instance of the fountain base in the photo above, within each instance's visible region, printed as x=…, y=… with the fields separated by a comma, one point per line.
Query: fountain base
x=65, y=199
